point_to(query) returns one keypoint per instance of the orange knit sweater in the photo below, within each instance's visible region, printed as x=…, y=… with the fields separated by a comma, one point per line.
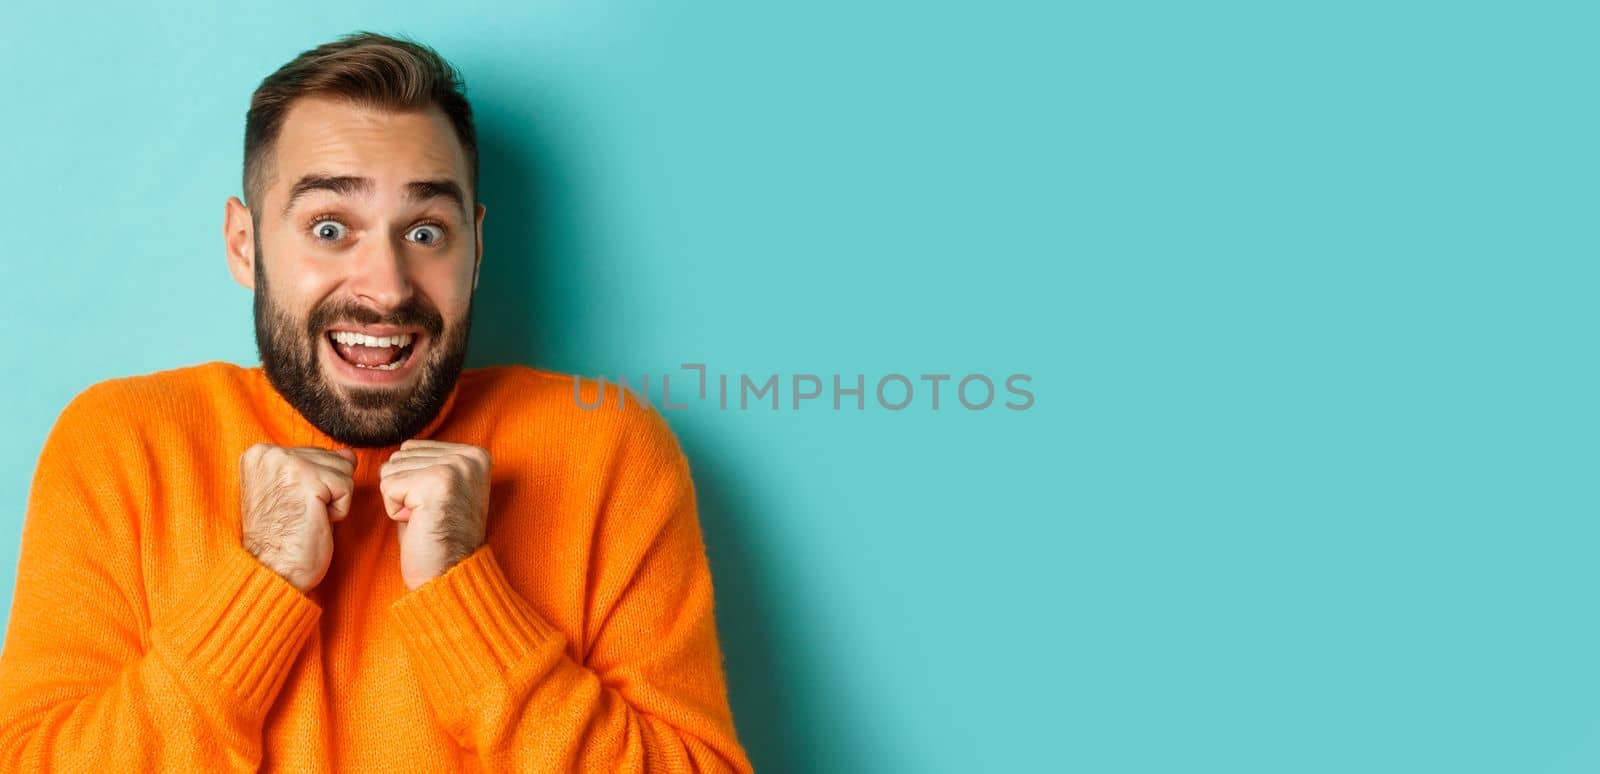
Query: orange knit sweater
x=144, y=637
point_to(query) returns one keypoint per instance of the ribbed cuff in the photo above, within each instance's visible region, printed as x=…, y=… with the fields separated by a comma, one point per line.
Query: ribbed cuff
x=468, y=629
x=240, y=631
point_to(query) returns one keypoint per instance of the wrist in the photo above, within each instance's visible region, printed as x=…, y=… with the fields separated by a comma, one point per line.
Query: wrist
x=271, y=557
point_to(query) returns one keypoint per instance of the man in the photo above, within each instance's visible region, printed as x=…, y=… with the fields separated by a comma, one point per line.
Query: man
x=359, y=557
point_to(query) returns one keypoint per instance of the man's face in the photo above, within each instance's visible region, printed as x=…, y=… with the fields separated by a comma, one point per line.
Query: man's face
x=365, y=259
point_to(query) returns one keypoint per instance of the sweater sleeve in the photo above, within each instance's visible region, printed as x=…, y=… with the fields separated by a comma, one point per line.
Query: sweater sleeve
x=87, y=680
x=649, y=694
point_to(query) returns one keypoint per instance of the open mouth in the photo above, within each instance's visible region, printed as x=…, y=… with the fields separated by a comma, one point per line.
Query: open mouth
x=373, y=353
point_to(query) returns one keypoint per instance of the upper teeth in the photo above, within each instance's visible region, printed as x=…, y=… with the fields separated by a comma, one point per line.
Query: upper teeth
x=351, y=337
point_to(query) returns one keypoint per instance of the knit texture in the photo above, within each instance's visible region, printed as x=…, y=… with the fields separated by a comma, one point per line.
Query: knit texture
x=579, y=637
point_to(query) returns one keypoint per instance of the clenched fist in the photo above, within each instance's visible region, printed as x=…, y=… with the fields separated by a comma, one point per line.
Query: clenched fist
x=288, y=497
x=438, y=493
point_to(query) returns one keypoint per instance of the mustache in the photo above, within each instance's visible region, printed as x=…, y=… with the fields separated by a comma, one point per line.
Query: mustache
x=414, y=313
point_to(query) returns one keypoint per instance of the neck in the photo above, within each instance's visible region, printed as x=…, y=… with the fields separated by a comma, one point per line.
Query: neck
x=293, y=428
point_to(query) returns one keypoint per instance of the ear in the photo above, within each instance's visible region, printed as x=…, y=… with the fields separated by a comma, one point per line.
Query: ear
x=478, y=261
x=239, y=238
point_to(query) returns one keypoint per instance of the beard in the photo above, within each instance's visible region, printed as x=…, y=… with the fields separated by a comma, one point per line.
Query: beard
x=357, y=416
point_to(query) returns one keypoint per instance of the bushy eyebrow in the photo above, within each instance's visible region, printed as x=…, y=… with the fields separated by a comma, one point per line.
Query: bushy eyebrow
x=345, y=185
x=423, y=190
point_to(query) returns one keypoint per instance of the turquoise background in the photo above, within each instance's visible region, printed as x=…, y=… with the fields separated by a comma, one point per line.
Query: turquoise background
x=1307, y=292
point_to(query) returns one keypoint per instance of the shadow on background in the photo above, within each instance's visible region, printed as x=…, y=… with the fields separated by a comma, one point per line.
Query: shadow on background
x=522, y=314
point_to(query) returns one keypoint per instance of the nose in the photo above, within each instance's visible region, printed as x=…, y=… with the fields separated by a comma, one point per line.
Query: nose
x=378, y=274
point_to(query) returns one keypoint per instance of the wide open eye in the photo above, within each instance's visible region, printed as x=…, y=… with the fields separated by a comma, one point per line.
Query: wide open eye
x=329, y=230
x=426, y=235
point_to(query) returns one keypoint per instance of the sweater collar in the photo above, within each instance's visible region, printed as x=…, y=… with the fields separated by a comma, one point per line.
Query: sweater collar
x=286, y=422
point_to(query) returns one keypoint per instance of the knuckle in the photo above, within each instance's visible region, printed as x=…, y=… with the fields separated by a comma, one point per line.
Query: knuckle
x=273, y=457
x=254, y=453
x=284, y=476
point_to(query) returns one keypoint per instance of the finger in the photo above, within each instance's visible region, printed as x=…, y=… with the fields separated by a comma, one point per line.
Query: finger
x=418, y=454
x=395, y=489
x=394, y=466
x=424, y=443
x=340, y=507
x=339, y=469
x=336, y=491
x=467, y=450
x=343, y=459
x=346, y=459
x=476, y=458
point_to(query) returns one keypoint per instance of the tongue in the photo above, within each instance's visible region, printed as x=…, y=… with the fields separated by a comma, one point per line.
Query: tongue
x=367, y=356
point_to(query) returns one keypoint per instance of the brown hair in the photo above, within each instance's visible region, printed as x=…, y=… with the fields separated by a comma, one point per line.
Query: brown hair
x=369, y=69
